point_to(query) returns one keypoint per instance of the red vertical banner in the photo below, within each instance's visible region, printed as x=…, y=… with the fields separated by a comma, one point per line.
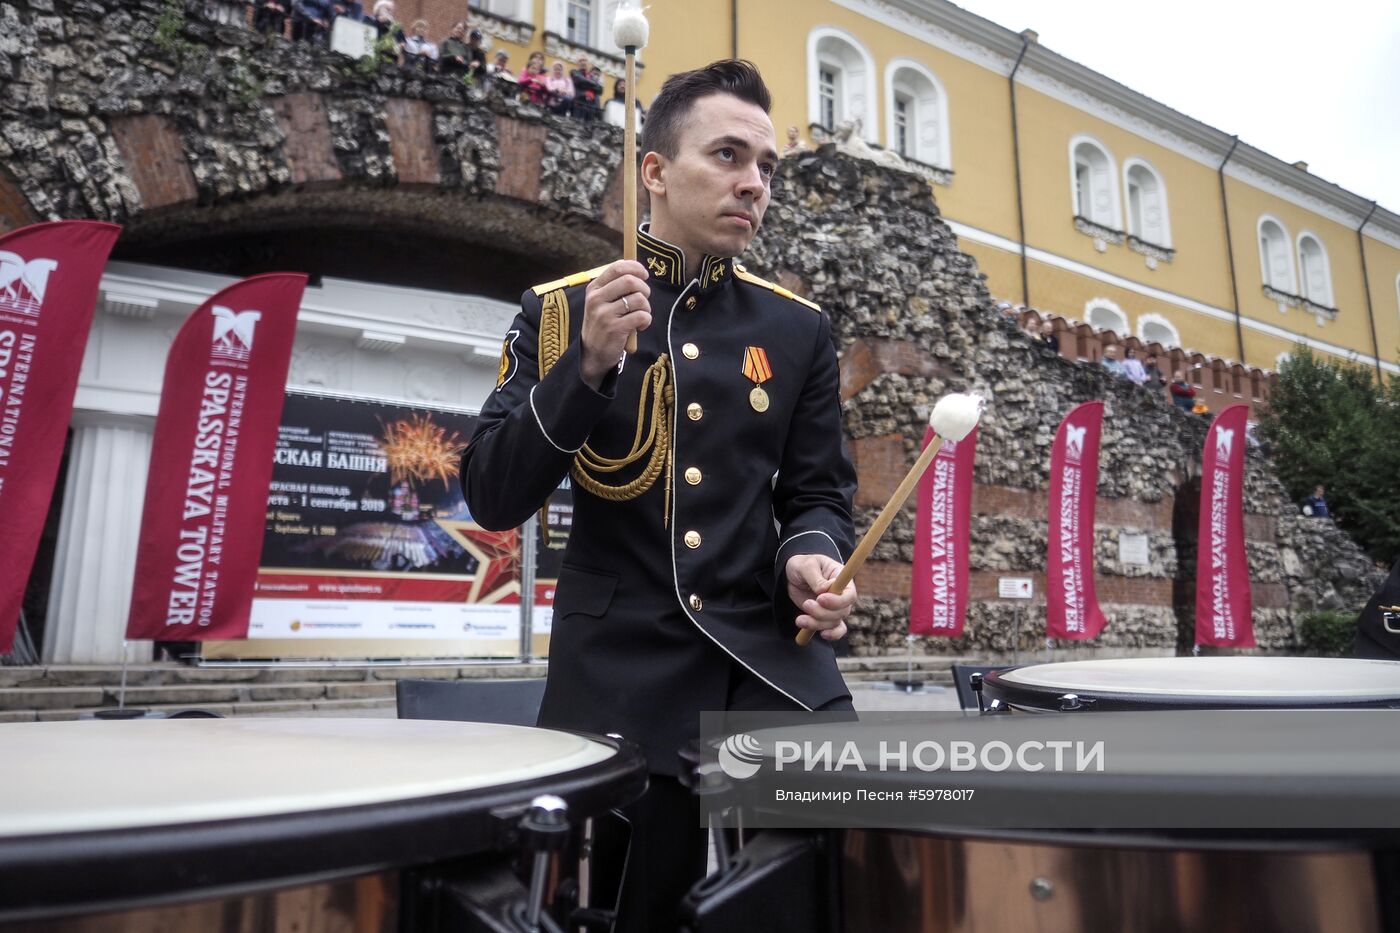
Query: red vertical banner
x=1224, y=604
x=49, y=275
x=211, y=463
x=1072, y=605
x=938, y=597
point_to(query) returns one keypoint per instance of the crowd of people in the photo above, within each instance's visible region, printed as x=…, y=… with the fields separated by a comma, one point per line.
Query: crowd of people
x=576, y=91
x=1123, y=361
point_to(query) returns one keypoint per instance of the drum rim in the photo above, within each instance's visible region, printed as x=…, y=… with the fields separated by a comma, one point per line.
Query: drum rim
x=1040, y=697
x=1207, y=663
x=116, y=869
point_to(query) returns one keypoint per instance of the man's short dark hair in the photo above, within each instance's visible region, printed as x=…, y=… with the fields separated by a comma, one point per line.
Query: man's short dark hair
x=680, y=92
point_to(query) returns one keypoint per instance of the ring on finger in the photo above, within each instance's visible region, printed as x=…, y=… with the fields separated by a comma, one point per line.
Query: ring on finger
x=625, y=306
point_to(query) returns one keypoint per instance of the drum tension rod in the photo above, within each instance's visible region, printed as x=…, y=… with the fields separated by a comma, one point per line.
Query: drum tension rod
x=996, y=706
x=543, y=829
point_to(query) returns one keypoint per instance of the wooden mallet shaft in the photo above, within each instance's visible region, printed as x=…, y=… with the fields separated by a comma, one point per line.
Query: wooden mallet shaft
x=881, y=523
x=629, y=173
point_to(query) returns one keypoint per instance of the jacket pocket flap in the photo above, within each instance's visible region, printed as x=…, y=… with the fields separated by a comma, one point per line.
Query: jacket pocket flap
x=584, y=592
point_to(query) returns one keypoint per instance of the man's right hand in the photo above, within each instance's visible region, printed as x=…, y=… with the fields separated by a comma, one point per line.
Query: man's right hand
x=608, y=319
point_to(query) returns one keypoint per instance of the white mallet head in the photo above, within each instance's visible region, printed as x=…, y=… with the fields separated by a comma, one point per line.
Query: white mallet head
x=956, y=415
x=630, y=28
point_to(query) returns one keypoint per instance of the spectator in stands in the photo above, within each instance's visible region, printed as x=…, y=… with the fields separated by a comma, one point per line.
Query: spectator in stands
x=1315, y=505
x=559, y=90
x=311, y=21
x=532, y=80
x=1132, y=367
x=420, y=54
x=795, y=143
x=499, y=70
x=270, y=16
x=1008, y=313
x=454, y=54
x=1183, y=393
x=1111, y=362
x=588, y=90
x=476, y=56
x=1155, y=380
x=385, y=23
x=1048, y=337
x=615, y=110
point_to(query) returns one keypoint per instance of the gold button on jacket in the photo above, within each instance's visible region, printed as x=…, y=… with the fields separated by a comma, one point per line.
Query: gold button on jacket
x=692, y=539
x=694, y=412
x=692, y=476
x=691, y=351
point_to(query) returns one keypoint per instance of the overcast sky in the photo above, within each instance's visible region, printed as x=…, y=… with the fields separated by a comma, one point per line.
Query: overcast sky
x=1313, y=81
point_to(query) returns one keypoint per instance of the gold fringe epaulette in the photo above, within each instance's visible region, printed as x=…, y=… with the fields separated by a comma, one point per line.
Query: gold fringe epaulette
x=741, y=273
x=578, y=278
x=652, y=439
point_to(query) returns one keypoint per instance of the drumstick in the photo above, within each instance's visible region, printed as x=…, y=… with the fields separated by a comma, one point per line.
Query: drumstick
x=953, y=419
x=630, y=31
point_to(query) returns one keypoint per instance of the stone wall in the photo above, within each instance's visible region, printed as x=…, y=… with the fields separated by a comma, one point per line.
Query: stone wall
x=915, y=321
x=142, y=112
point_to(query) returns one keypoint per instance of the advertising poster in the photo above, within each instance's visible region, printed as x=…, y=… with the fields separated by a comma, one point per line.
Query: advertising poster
x=368, y=538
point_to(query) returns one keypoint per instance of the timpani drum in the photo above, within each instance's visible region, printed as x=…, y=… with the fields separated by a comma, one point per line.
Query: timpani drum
x=940, y=873
x=325, y=824
x=1236, y=682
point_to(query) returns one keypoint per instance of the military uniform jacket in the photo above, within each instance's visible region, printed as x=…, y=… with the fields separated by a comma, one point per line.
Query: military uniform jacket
x=663, y=592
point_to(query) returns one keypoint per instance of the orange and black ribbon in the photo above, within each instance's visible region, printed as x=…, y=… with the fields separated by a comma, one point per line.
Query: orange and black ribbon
x=756, y=366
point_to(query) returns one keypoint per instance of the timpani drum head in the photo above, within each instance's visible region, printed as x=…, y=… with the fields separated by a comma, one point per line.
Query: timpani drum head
x=102, y=814
x=1198, y=683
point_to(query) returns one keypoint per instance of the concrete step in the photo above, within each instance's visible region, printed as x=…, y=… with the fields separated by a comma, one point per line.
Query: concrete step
x=28, y=692
x=372, y=705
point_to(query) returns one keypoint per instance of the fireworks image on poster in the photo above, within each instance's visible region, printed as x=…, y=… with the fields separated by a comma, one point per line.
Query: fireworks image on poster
x=419, y=450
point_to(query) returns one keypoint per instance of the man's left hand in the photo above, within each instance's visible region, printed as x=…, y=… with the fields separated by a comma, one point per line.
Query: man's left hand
x=808, y=577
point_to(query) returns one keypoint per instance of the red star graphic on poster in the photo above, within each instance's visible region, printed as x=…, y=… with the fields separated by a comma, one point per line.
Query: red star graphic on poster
x=497, y=556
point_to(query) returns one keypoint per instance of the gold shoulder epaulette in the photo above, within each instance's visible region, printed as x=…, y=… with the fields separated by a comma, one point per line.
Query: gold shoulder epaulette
x=578, y=278
x=747, y=276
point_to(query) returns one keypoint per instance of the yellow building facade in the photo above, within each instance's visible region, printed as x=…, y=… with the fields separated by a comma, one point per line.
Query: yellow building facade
x=1076, y=195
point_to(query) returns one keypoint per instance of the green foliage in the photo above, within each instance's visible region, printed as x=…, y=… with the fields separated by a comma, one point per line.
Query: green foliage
x=170, y=28
x=386, y=50
x=1327, y=634
x=1330, y=423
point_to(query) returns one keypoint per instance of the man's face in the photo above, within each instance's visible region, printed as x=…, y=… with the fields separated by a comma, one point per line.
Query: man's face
x=716, y=189
x=583, y=63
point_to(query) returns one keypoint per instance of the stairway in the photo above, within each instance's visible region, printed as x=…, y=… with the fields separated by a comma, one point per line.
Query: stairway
x=29, y=694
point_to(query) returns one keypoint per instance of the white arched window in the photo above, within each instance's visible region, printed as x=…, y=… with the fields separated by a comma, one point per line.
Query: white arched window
x=1315, y=271
x=577, y=22
x=1147, y=203
x=1093, y=182
x=1153, y=328
x=840, y=81
x=916, y=113
x=1275, y=255
x=1104, y=314
x=509, y=9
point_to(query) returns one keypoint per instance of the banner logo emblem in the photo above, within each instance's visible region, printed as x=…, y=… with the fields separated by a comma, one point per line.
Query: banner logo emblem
x=1074, y=442
x=233, y=334
x=1224, y=440
x=22, y=284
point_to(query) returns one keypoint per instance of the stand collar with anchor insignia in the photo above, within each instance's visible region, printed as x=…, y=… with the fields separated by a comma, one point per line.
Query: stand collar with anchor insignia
x=666, y=263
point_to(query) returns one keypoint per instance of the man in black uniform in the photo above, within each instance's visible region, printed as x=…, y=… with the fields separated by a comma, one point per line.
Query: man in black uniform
x=712, y=494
